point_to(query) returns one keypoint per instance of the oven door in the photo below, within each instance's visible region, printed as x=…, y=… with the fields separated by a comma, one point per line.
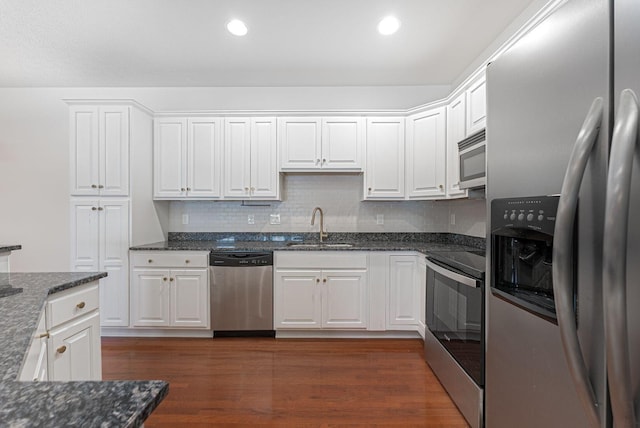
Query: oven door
x=455, y=313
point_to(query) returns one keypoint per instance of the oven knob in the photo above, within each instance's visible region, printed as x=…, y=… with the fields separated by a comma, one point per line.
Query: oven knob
x=540, y=217
x=506, y=216
x=520, y=217
x=529, y=217
x=512, y=216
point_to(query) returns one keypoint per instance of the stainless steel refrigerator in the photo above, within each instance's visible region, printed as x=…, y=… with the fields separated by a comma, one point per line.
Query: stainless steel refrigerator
x=562, y=119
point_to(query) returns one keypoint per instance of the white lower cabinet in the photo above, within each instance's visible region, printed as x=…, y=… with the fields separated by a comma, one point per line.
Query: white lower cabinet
x=405, y=297
x=66, y=344
x=170, y=289
x=315, y=290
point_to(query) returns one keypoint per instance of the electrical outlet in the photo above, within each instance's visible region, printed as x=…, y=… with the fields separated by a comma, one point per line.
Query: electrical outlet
x=380, y=219
x=251, y=219
x=185, y=218
x=453, y=219
x=274, y=219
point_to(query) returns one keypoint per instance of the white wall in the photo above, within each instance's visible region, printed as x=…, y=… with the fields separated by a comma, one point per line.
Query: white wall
x=34, y=147
x=339, y=196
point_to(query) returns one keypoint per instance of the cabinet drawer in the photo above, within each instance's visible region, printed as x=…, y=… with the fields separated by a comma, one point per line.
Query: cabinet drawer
x=170, y=259
x=71, y=304
x=320, y=259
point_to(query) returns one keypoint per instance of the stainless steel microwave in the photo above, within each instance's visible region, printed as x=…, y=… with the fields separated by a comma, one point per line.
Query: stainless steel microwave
x=473, y=161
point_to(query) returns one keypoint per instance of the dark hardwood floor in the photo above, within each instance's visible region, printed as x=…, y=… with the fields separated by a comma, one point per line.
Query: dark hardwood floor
x=285, y=382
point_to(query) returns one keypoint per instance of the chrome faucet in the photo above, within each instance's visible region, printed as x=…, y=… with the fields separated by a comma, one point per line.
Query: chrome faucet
x=323, y=234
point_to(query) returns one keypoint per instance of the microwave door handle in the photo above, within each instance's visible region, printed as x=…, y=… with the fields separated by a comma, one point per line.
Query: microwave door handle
x=452, y=275
x=625, y=135
x=562, y=270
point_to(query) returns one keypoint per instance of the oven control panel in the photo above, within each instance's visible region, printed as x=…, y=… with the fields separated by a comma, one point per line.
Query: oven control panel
x=535, y=212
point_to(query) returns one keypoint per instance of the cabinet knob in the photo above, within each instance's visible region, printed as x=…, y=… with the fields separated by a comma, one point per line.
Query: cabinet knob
x=187, y=261
x=317, y=279
x=100, y=186
x=164, y=279
x=324, y=279
x=246, y=189
x=93, y=208
x=317, y=161
x=81, y=305
x=150, y=260
x=171, y=279
x=182, y=189
x=324, y=161
x=100, y=209
x=369, y=188
x=93, y=186
x=62, y=349
x=188, y=189
x=441, y=187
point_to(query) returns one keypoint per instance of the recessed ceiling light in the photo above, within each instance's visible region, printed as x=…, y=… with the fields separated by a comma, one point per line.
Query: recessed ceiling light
x=237, y=27
x=388, y=25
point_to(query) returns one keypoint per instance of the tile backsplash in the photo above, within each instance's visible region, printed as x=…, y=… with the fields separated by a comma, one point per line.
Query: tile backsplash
x=339, y=196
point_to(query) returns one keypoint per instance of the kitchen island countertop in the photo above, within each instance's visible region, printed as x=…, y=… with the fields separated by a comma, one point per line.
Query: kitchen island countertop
x=79, y=403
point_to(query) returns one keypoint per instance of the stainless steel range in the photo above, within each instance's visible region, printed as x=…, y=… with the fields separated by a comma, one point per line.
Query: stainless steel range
x=454, y=339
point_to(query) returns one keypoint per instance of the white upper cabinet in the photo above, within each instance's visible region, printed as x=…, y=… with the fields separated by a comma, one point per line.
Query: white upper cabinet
x=476, y=105
x=342, y=143
x=384, y=172
x=99, y=150
x=456, y=131
x=426, y=154
x=187, y=158
x=321, y=144
x=251, y=159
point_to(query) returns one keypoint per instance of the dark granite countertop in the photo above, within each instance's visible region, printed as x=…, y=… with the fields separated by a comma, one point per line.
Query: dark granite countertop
x=5, y=248
x=85, y=404
x=421, y=242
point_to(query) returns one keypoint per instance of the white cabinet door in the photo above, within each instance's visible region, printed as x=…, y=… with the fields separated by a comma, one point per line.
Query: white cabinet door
x=456, y=131
x=384, y=172
x=74, y=350
x=237, y=158
x=342, y=143
x=99, y=150
x=344, y=300
x=114, y=151
x=204, y=158
x=169, y=158
x=150, y=300
x=85, y=235
x=297, y=299
x=85, y=150
x=114, y=250
x=265, y=178
x=100, y=242
x=300, y=143
x=426, y=155
x=476, y=106
x=189, y=298
x=404, y=293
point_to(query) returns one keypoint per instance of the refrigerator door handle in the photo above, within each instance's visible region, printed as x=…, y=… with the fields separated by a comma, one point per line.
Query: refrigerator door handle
x=562, y=270
x=623, y=142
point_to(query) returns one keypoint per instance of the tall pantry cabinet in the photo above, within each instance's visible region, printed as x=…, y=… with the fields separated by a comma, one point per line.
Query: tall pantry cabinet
x=101, y=190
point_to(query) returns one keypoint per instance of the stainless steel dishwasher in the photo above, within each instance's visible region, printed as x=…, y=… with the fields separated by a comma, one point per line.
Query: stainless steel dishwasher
x=241, y=294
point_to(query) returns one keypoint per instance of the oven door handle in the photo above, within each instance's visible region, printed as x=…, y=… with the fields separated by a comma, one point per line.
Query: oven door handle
x=562, y=269
x=462, y=279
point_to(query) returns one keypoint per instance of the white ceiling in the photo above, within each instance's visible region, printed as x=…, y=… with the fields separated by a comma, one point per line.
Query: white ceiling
x=290, y=42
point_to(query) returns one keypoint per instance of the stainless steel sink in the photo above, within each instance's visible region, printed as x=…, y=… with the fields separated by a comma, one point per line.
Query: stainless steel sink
x=318, y=245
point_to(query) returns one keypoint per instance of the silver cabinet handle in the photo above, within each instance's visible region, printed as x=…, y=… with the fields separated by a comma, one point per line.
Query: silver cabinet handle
x=562, y=271
x=625, y=134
